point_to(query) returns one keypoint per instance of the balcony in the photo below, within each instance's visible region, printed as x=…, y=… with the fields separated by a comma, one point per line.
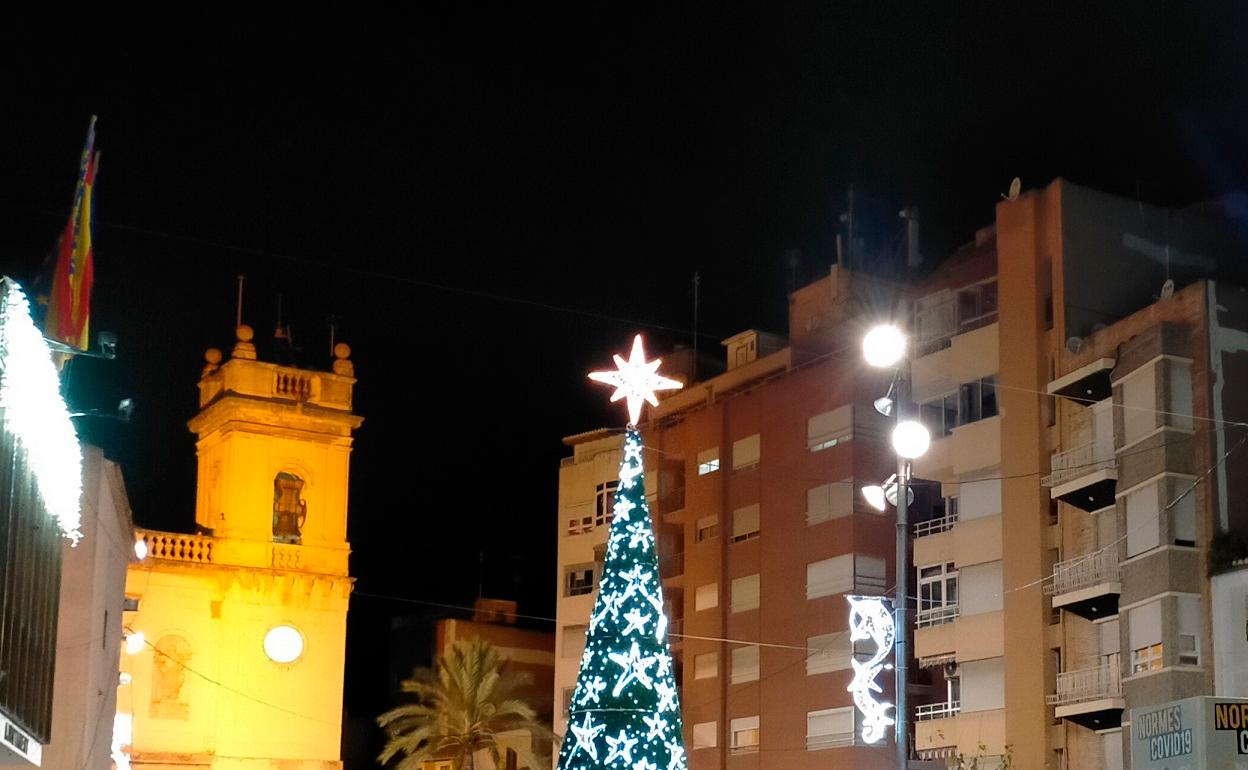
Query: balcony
x=942, y=710
x=1087, y=585
x=1087, y=384
x=936, y=616
x=672, y=567
x=936, y=526
x=1084, y=477
x=1091, y=697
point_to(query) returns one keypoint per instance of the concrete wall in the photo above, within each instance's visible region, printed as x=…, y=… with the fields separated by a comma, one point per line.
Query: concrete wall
x=89, y=631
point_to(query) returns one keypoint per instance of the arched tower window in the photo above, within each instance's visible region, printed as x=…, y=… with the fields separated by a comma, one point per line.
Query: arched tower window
x=289, y=508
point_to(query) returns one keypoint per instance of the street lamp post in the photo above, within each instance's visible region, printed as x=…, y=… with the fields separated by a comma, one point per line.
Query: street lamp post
x=885, y=347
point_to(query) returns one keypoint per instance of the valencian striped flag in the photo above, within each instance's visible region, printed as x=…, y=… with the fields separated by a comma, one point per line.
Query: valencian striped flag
x=69, y=306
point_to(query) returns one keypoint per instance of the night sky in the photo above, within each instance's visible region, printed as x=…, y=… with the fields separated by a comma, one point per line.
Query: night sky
x=487, y=204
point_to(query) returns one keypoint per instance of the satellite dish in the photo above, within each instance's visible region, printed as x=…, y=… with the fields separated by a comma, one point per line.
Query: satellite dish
x=1016, y=187
x=1167, y=289
x=1074, y=344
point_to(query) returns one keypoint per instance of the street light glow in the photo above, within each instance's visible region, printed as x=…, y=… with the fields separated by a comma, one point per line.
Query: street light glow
x=884, y=346
x=140, y=549
x=135, y=643
x=911, y=439
x=874, y=495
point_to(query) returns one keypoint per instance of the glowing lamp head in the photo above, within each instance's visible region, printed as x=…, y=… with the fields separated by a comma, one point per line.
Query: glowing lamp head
x=135, y=643
x=911, y=439
x=140, y=549
x=283, y=644
x=874, y=495
x=884, y=346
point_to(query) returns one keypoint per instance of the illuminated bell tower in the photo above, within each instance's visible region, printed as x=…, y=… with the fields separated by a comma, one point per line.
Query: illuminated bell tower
x=239, y=630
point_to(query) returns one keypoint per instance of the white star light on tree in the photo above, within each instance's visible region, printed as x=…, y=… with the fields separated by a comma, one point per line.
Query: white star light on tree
x=592, y=688
x=635, y=380
x=639, y=535
x=585, y=733
x=676, y=760
x=634, y=666
x=636, y=621
x=667, y=696
x=665, y=664
x=645, y=764
x=621, y=747
x=657, y=725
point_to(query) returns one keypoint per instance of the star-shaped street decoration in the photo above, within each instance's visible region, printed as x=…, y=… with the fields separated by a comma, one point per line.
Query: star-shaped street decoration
x=636, y=621
x=635, y=380
x=585, y=733
x=634, y=666
x=621, y=747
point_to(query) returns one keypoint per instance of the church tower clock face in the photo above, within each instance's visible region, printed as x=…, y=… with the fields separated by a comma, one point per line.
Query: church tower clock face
x=283, y=644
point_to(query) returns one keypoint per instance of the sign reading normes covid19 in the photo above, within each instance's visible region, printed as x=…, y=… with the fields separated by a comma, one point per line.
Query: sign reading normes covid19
x=1191, y=734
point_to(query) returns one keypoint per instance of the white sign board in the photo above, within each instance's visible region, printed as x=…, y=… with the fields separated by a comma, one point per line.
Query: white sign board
x=1204, y=733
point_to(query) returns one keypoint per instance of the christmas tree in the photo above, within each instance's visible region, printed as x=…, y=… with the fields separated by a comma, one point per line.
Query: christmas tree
x=625, y=711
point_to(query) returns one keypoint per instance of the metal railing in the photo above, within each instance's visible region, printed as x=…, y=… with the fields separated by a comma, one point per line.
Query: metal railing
x=172, y=546
x=936, y=616
x=1083, y=572
x=937, y=710
x=1104, y=681
x=671, y=565
x=1080, y=461
x=935, y=526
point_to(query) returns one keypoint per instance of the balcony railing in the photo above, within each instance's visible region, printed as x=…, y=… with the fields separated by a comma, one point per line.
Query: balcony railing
x=172, y=546
x=1083, y=572
x=936, y=616
x=1080, y=461
x=935, y=526
x=937, y=710
x=1089, y=684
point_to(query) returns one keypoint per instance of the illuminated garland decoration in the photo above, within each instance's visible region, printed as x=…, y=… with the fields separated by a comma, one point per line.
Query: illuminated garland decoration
x=625, y=711
x=34, y=412
x=870, y=618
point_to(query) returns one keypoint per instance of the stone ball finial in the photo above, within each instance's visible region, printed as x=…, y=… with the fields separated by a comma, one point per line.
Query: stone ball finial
x=244, y=348
x=245, y=333
x=212, y=356
x=342, y=363
x=342, y=350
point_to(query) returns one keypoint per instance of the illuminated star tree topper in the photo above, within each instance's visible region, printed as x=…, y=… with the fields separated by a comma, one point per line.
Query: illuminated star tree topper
x=636, y=380
x=625, y=710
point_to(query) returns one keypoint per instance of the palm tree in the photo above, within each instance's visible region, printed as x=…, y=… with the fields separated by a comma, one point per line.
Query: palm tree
x=460, y=708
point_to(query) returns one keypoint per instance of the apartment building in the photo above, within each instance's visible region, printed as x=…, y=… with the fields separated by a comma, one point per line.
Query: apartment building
x=1079, y=404
x=752, y=477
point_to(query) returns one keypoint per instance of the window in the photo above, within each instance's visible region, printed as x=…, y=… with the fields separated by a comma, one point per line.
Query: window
x=580, y=518
x=977, y=400
x=973, y=401
x=745, y=664
x=706, y=597
x=829, y=728
x=1146, y=658
x=745, y=523
x=705, y=735
x=835, y=651
x=1139, y=403
x=708, y=461
x=977, y=303
x=1191, y=622
x=130, y=604
x=1143, y=527
x=290, y=510
x=745, y=593
x=706, y=665
x=868, y=574
x=744, y=734
x=828, y=429
x=1183, y=519
x=1179, y=390
x=830, y=576
x=745, y=453
x=981, y=685
x=573, y=641
x=1144, y=635
x=578, y=579
x=567, y=700
x=979, y=498
x=605, y=502
x=938, y=594
x=829, y=501
x=708, y=527
x=977, y=588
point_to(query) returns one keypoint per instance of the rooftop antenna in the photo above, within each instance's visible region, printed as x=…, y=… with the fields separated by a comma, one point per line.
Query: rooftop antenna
x=1016, y=187
x=280, y=333
x=332, y=330
x=693, y=370
x=238, y=313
